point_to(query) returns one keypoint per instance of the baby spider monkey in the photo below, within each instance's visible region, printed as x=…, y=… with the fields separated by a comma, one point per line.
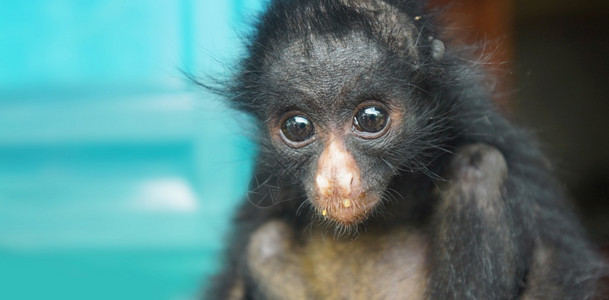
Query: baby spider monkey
x=389, y=171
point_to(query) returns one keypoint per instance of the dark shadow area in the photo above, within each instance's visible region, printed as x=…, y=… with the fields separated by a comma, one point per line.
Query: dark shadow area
x=562, y=76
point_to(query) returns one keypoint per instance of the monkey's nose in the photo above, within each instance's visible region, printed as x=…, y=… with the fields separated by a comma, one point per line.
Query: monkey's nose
x=337, y=173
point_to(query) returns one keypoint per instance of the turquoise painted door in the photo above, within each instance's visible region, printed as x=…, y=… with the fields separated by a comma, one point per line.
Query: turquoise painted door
x=117, y=177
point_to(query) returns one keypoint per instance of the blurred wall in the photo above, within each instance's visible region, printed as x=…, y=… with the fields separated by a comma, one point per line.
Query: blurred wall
x=117, y=177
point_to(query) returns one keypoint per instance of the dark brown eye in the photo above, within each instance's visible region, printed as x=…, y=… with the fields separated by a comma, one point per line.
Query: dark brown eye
x=370, y=119
x=297, y=128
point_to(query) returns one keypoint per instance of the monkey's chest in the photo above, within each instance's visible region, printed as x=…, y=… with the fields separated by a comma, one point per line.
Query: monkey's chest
x=387, y=266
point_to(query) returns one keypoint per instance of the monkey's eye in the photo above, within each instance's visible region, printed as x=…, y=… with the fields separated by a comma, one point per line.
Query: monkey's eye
x=297, y=128
x=370, y=119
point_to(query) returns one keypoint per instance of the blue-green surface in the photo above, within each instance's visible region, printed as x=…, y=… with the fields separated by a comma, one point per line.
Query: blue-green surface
x=117, y=177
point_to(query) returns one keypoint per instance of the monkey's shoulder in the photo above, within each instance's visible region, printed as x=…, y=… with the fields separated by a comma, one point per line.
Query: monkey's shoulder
x=375, y=265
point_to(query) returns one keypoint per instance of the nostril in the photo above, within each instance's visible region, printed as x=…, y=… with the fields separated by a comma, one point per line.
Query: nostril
x=355, y=185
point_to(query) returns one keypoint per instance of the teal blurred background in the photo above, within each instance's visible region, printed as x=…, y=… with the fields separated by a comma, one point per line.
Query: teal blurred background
x=117, y=176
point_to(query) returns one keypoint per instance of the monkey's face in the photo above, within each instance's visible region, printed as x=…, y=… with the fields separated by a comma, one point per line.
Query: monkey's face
x=339, y=121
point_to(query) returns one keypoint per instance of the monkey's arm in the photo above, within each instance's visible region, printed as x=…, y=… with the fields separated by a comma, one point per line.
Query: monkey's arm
x=258, y=247
x=263, y=266
x=475, y=247
x=502, y=233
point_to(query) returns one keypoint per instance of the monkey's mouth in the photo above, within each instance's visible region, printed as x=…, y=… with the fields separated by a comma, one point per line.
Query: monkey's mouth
x=346, y=211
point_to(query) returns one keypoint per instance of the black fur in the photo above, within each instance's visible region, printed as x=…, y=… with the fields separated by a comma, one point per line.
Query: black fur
x=448, y=107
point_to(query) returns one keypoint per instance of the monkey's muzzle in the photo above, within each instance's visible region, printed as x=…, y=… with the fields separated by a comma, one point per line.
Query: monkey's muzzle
x=338, y=190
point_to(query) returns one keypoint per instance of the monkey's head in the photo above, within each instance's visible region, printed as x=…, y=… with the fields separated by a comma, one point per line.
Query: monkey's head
x=341, y=100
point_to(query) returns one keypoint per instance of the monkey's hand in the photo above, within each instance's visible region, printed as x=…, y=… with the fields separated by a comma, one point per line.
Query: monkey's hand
x=473, y=239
